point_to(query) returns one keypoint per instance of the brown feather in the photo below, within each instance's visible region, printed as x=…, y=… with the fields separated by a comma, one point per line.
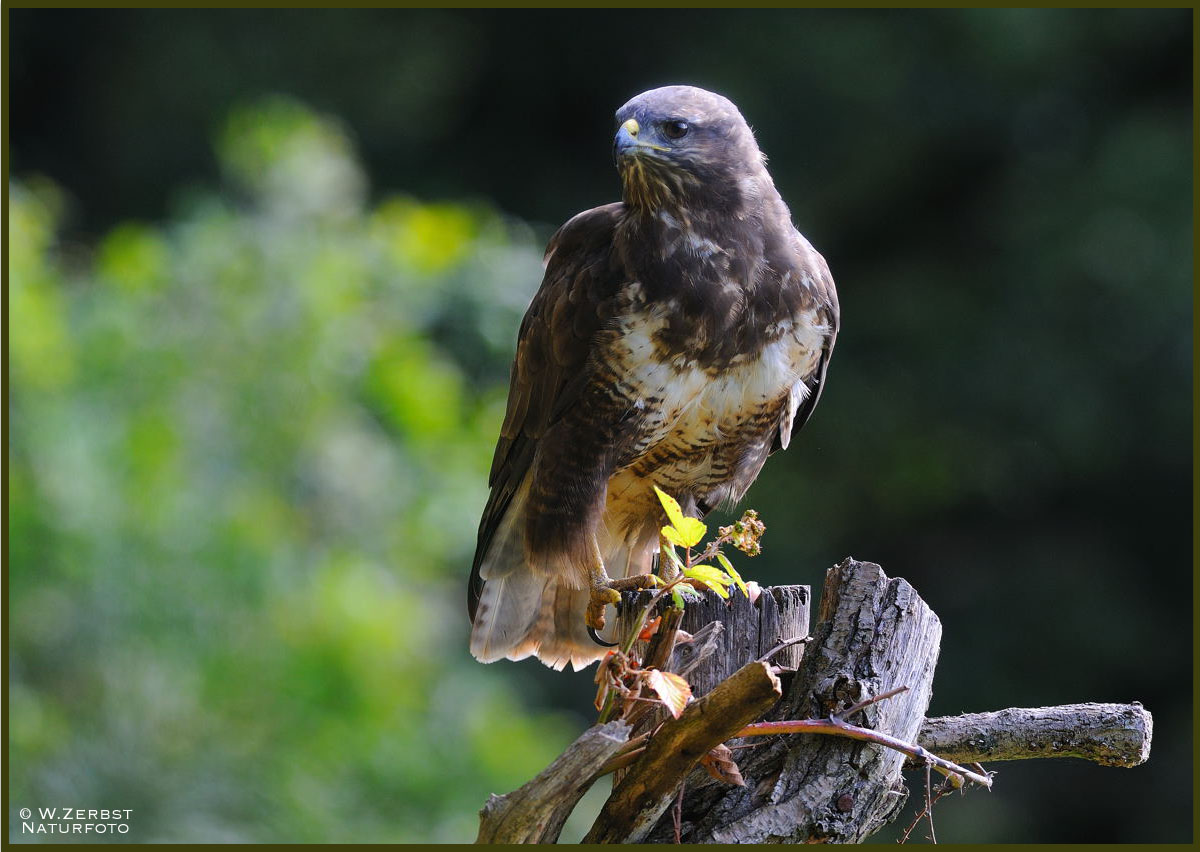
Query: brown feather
x=677, y=339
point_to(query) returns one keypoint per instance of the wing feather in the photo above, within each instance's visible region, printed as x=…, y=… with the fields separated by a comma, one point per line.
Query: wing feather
x=807, y=391
x=554, y=344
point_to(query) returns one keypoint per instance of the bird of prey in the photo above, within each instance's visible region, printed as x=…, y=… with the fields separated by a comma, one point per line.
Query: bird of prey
x=678, y=338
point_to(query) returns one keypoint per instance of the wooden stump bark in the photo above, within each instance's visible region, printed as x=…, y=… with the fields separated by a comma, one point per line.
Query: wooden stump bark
x=873, y=634
x=728, y=633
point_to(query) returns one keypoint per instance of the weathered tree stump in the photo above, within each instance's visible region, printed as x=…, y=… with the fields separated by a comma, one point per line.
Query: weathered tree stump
x=727, y=634
x=732, y=632
x=873, y=635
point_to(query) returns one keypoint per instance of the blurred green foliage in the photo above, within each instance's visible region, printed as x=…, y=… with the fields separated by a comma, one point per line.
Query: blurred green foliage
x=243, y=484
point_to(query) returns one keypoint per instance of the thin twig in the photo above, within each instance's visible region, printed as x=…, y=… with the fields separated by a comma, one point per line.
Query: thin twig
x=785, y=644
x=620, y=761
x=867, y=702
x=929, y=804
x=946, y=787
x=713, y=546
x=839, y=728
x=677, y=813
x=629, y=752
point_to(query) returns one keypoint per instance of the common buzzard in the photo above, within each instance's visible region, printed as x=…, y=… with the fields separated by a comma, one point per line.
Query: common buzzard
x=679, y=337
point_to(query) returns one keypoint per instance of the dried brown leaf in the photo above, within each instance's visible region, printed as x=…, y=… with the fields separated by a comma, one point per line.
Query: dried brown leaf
x=719, y=763
x=673, y=690
x=650, y=629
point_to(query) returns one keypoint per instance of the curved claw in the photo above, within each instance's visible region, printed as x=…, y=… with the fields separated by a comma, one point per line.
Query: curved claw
x=596, y=638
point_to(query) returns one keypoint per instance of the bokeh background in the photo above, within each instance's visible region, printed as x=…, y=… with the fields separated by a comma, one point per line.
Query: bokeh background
x=265, y=274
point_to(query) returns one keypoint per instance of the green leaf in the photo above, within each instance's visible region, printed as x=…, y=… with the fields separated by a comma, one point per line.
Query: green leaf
x=683, y=531
x=692, y=530
x=677, y=597
x=687, y=593
x=711, y=577
x=672, y=535
x=687, y=534
x=708, y=574
x=732, y=572
x=674, y=513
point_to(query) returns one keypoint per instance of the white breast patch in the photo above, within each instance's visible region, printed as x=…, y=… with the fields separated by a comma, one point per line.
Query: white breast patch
x=680, y=397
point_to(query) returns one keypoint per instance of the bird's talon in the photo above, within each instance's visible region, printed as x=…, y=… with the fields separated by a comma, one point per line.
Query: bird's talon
x=596, y=638
x=601, y=597
x=633, y=584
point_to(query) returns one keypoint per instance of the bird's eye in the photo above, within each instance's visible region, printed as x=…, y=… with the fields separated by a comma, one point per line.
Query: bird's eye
x=675, y=128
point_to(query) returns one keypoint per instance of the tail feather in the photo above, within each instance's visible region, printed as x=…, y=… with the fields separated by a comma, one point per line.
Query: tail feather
x=522, y=615
x=523, y=612
x=567, y=640
x=508, y=617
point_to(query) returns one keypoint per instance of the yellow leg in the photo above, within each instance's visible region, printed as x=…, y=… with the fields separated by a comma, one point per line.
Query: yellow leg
x=667, y=569
x=606, y=591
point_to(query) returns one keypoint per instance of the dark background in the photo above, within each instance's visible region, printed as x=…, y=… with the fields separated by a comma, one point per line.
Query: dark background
x=1004, y=198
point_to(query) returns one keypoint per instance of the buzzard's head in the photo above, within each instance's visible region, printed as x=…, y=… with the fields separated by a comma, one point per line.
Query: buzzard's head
x=683, y=148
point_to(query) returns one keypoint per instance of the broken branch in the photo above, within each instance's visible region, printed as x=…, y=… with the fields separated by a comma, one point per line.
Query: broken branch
x=535, y=813
x=1108, y=734
x=650, y=786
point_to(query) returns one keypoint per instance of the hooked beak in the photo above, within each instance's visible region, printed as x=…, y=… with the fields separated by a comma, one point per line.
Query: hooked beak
x=627, y=142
